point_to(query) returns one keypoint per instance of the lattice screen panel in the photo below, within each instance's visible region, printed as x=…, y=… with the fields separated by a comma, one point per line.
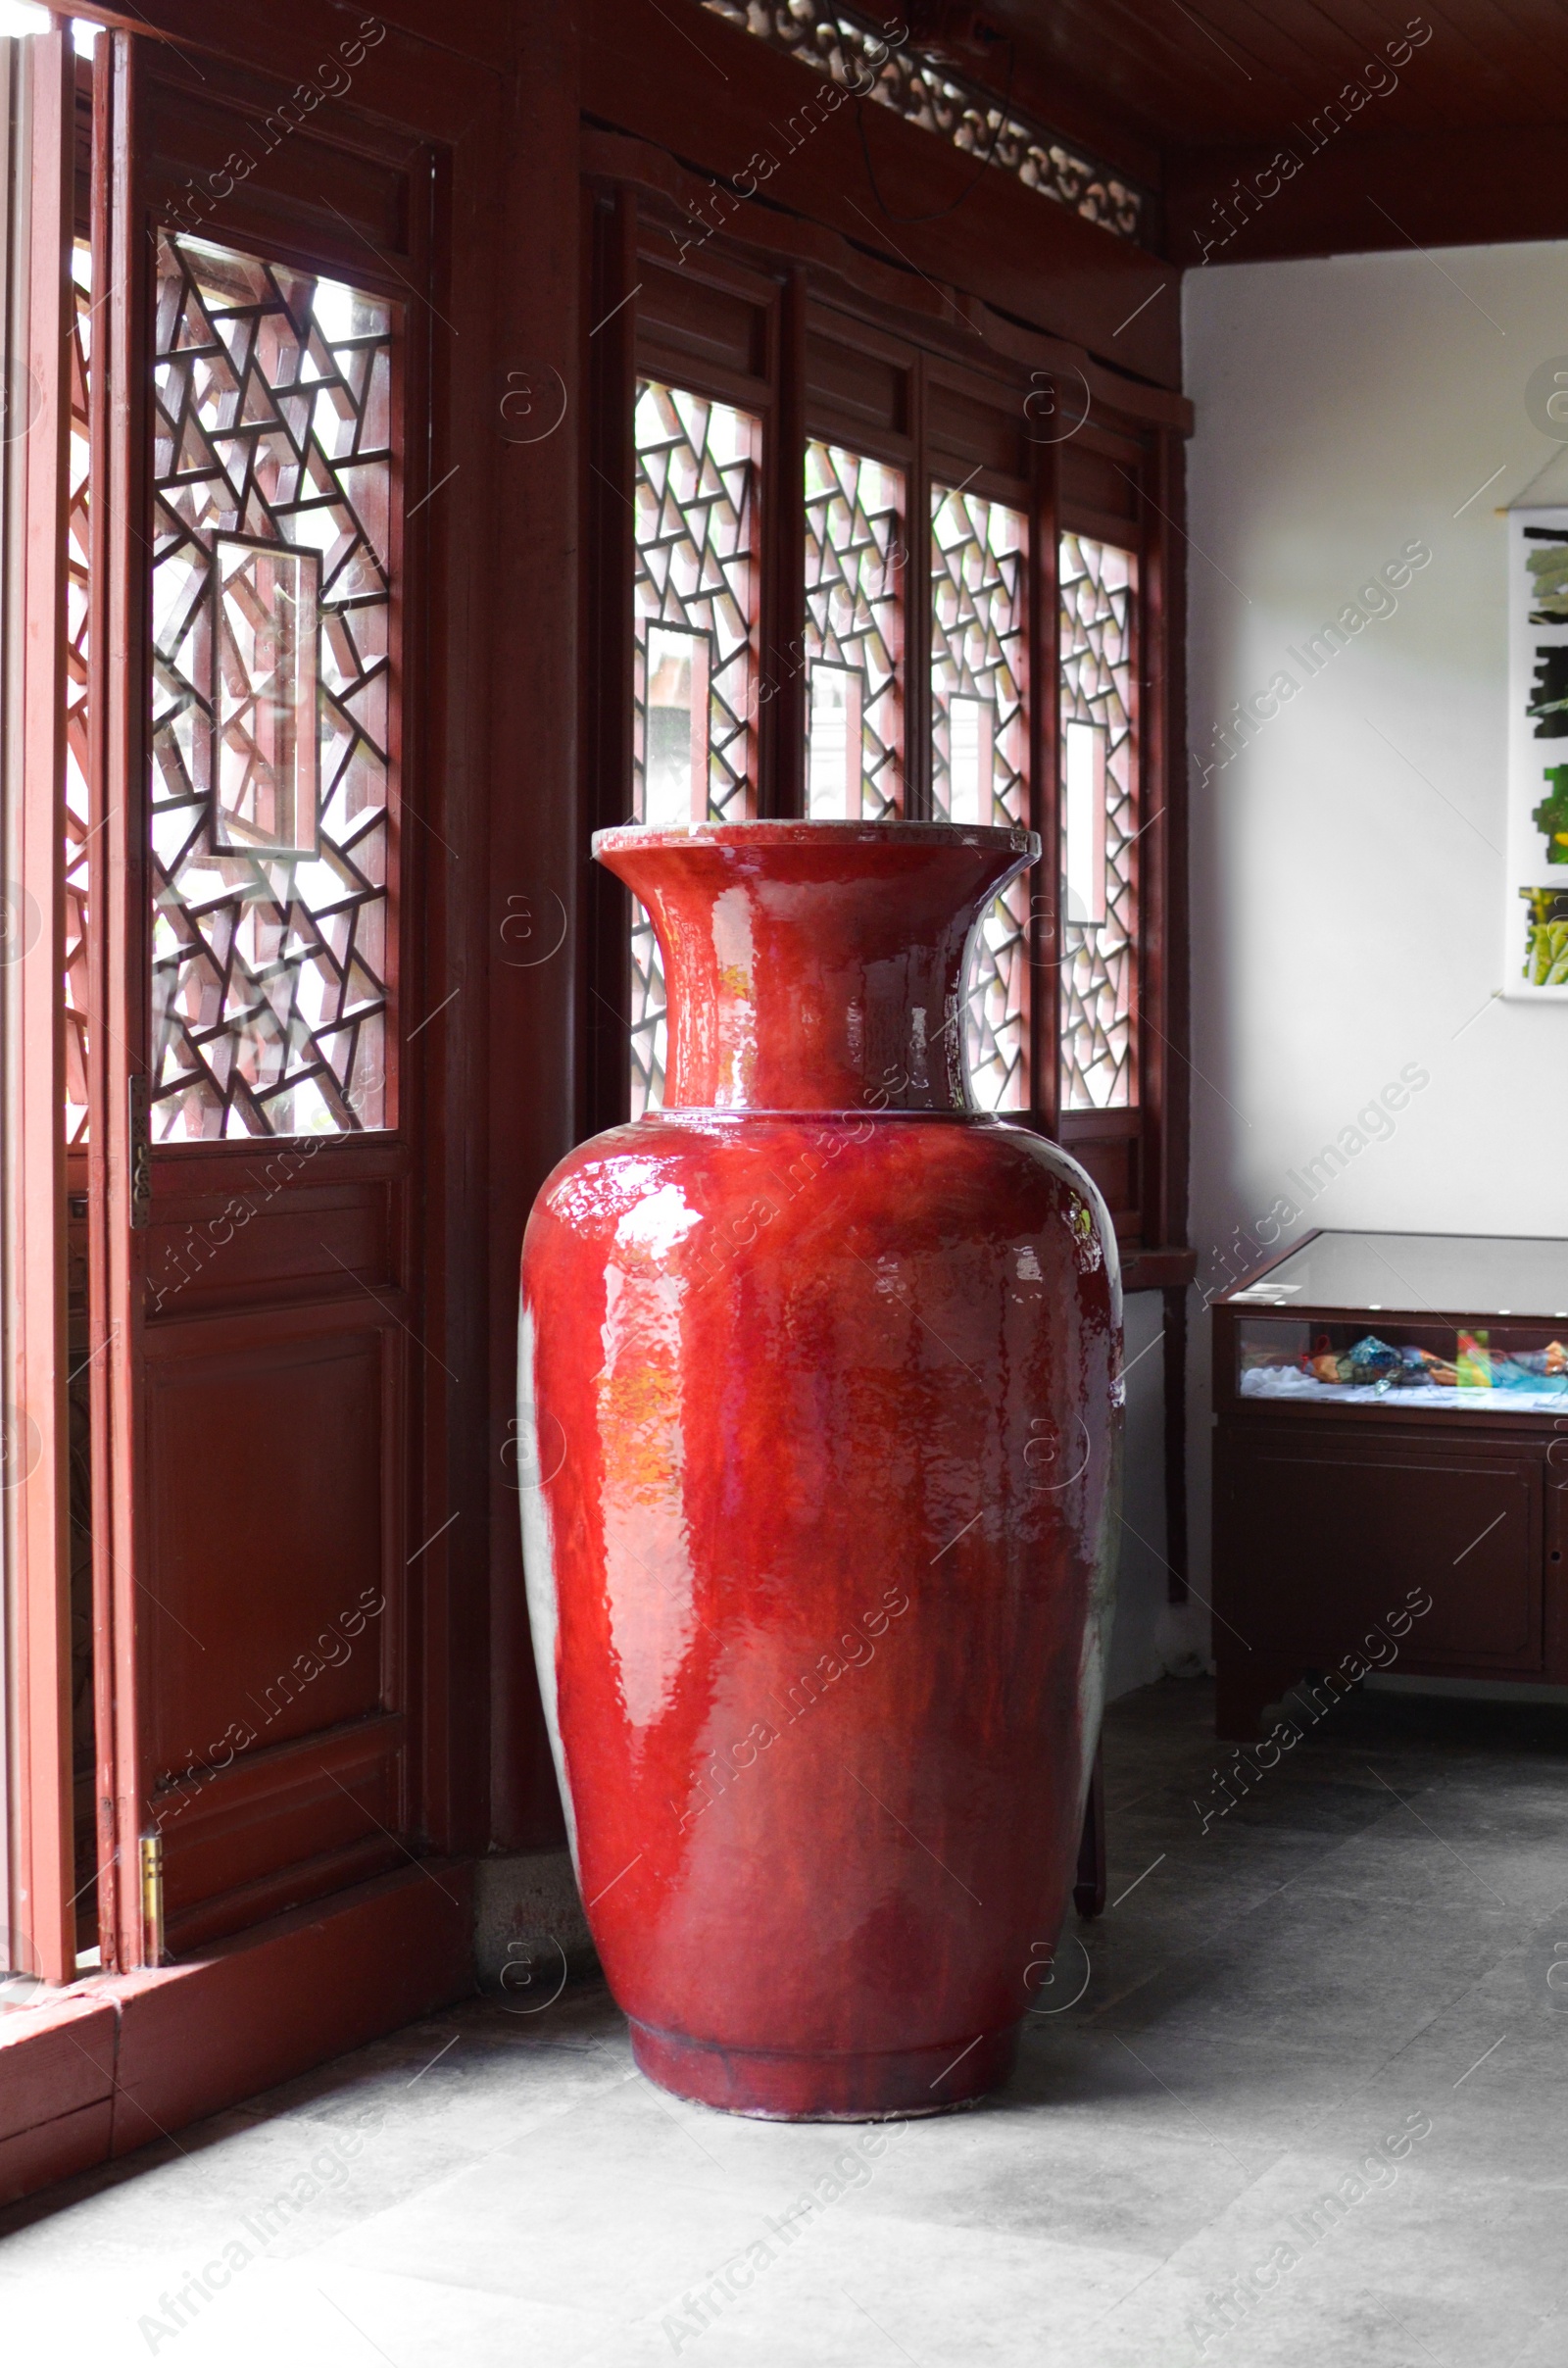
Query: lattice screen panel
x=272, y=686
x=696, y=683
x=887, y=66
x=1098, y=591
x=853, y=636
x=979, y=759
x=77, y=852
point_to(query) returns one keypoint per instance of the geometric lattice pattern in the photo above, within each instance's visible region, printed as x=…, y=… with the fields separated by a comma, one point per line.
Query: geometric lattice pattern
x=979, y=557
x=925, y=92
x=271, y=688
x=77, y=852
x=853, y=636
x=1098, y=583
x=695, y=663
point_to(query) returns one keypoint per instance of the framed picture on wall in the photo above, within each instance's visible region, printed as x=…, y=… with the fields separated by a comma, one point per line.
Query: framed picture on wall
x=1537, y=964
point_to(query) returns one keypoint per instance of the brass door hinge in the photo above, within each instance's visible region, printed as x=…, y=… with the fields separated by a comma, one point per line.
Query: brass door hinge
x=151, y=1899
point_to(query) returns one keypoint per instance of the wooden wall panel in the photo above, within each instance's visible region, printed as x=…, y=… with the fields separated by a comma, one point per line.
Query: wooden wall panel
x=417, y=78
x=851, y=278
x=289, y=178
x=703, y=322
x=251, y=1248
x=1106, y=1144
x=289, y=1828
x=275, y=1609
x=530, y=1067
x=1399, y=190
x=862, y=391
x=1099, y=484
x=928, y=211
x=270, y=1500
x=978, y=425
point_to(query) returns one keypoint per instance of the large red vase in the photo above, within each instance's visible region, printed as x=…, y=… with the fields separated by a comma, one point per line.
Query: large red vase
x=819, y=1394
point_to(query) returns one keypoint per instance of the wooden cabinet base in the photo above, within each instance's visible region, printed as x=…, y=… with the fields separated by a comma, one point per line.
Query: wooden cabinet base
x=1347, y=1547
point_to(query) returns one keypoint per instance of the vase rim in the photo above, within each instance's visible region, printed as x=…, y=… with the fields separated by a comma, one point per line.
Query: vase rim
x=777, y=831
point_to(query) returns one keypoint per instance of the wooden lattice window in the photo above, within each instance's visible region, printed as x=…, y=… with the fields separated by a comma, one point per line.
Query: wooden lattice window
x=927, y=90
x=274, y=709
x=979, y=759
x=854, y=568
x=1100, y=825
x=77, y=850
x=695, y=666
x=901, y=663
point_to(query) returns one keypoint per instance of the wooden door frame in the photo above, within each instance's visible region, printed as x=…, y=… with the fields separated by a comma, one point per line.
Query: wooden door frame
x=508, y=140
x=445, y=1807
x=38, y=1504
x=121, y=2057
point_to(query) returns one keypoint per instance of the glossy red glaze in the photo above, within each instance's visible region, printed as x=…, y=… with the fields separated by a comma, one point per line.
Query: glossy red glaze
x=820, y=1398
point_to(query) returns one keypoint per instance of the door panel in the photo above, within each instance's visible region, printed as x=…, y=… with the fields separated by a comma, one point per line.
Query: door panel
x=289, y=1438
x=293, y=184
x=281, y=1827
x=1320, y=1537
x=268, y=1332
x=280, y=1221
x=273, y=1470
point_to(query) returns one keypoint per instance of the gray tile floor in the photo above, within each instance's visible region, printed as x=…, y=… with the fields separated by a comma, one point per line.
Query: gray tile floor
x=1311, y=2106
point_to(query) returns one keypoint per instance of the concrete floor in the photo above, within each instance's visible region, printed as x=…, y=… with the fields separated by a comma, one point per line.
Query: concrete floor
x=1318, y=2042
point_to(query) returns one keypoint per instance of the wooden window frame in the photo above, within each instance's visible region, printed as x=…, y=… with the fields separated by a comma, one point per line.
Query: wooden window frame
x=39, y=1913
x=945, y=398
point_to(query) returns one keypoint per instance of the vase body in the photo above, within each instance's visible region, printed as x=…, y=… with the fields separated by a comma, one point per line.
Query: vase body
x=819, y=1391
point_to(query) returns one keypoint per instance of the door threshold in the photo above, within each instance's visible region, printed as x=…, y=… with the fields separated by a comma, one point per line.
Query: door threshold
x=111, y=2062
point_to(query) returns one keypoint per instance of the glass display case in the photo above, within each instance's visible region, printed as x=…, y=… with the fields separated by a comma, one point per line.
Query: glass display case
x=1414, y=1323
x=1391, y=1466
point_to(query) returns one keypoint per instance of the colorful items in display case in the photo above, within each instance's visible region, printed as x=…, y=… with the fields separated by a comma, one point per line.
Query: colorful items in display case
x=1285, y=1358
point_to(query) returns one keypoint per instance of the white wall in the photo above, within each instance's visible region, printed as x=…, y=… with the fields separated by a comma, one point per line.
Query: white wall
x=1348, y=876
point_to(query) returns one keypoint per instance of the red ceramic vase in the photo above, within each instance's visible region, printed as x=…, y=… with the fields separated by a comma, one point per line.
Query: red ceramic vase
x=819, y=1394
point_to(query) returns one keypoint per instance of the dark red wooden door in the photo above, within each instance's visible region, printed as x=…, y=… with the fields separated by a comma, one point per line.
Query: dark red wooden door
x=255, y=1211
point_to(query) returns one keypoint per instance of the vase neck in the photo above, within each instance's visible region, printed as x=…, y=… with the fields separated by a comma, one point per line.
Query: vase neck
x=813, y=965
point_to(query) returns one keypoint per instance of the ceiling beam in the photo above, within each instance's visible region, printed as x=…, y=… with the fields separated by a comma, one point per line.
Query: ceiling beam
x=1403, y=189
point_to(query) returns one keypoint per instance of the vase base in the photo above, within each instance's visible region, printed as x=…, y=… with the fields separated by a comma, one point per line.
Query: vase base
x=892, y=2085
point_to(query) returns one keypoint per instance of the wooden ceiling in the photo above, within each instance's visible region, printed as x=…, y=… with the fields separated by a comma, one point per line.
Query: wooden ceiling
x=1460, y=134
x=1199, y=74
